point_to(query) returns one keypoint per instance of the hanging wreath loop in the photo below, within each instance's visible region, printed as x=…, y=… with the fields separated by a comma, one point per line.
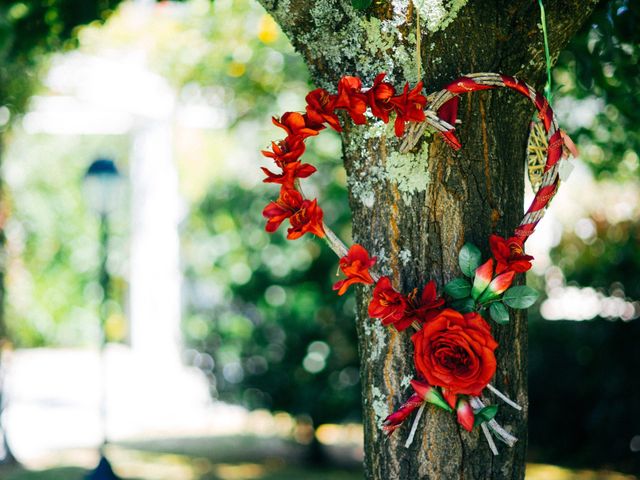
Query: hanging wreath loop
x=453, y=346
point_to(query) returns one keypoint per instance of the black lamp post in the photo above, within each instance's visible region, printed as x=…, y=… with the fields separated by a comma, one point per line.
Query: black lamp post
x=102, y=189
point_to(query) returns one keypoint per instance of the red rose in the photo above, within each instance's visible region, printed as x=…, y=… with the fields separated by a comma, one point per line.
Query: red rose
x=455, y=352
x=388, y=305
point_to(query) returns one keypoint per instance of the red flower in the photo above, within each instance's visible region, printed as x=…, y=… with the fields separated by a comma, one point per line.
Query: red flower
x=482, y=278
x=398, y=417
x=320, y=108
x=355, y=265
x=449, y=113
x=379, y=98
x=388, y=305
x=465, y=415
x=509, y=254
x=290, y=172
x=285, y=151
x=351, y=99
x=497, y=286
x=308, y=219
x=296, y=125
x=423, y=308
x=284, y=207
x=455, y=352
x=409, y=107
x=429, y=394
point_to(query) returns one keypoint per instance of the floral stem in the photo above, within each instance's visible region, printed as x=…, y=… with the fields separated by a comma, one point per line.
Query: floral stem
x=487, y=435
x=500, y=432
x=503, y=397
x=334, y=242
x=414, y=427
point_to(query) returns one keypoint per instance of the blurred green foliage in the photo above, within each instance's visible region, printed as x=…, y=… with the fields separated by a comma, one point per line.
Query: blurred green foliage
x=52, y=251
x=31, y=28
x=599, y=81
x=265, y=311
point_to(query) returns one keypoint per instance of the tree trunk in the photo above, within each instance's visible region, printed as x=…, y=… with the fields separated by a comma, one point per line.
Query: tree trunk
x=415, y=211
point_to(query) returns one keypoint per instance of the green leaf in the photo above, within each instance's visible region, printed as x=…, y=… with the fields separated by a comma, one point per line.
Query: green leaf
x=464, y=305
x=484, y=415
x=469, y=259
x=499, y=313
x=520, y=297
x=458, y=288
x=361, y=4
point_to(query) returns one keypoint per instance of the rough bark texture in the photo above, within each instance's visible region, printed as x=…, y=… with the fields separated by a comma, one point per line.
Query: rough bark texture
x=415, y=211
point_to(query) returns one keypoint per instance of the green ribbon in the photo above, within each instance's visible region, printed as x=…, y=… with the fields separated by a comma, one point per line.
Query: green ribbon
x=543, y=20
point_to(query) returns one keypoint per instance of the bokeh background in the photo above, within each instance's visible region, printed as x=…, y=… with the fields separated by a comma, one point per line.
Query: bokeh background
x=227, y=354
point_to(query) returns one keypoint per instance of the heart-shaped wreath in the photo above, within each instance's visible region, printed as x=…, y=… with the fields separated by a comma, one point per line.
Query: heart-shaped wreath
x=453, y=346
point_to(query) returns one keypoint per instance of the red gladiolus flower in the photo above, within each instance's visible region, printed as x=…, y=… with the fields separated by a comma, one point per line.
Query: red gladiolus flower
x=455, y=352
x=465, y=414
x=355, y=265
x=388, y=305
x=284, y=207
x=286, y=151
x=290, y=172
x=423, y=308
x=409, y=107
x=308, y=219
x=351, y=99
x=398, y=417
x=321, y=107
x=379, y=98
x=296, y=125
x=509, y=254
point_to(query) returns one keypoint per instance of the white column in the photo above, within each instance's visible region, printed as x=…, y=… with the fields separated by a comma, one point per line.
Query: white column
x=155, y=280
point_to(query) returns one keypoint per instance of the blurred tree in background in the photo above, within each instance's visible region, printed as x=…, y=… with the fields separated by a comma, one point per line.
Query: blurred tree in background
x=583, y=391
x=28, y=30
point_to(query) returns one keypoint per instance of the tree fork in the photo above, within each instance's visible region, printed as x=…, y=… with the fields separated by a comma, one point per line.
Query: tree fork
x=415, y=211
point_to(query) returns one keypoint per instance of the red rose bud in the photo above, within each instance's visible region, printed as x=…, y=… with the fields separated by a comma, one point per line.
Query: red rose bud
x=450, y=397
x=398, y=417
x=430, y=394
x=497, y=286
x=355, y=265
x=465, y=415
x=483, y=276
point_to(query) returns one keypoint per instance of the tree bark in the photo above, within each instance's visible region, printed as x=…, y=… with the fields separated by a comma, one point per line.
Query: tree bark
x=415, y=211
